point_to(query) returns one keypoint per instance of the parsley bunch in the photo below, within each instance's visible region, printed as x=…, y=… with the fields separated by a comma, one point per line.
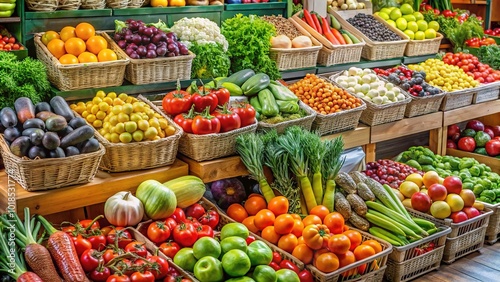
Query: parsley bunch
x=210, y=61
x=249, y=39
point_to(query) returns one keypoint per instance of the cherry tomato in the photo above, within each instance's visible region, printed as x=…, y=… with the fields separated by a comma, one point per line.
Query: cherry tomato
x=195, y=210
x=275, y=266
x=169, y=249
x=90, y=259
x=306, y=276
x=178, y=215
x=205, y=231
x=98, y=241
x=277, y=257
x=137, y=247
x=250, y=239
x=289, y=265
x=193, y=221
x=110, y=254
x=100, y=274
x=158, y=232
x=170, y=223
x=120, y=235
x=160, y=269
x=144, y=276
x=118, y=278
x=210, y=218
x=81, y=244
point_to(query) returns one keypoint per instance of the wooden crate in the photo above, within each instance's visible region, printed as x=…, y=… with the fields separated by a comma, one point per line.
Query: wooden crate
x=492, y=162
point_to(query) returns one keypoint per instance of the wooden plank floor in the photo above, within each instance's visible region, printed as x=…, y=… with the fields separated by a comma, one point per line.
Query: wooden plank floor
x=482, y=265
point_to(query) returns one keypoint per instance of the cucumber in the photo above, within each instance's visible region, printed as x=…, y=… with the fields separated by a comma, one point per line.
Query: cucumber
x=239, y=77
x=255, y=84
x=347, y=39
x=353, y=38
x=234, y=89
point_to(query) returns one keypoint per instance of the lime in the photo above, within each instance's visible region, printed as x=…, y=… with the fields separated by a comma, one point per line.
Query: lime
x=406, y=9
x=264, y=273
x=391, y=23
x=385, y=11
x=418, y=16
x=413, y=26
x=383, y=15
x=410, y=18
x=410, y=34
x=401, y=24
x=422, y=25
x=419, y=35
x=395, y=14
x=236, y=263
x=434, y=25
x=430, y=33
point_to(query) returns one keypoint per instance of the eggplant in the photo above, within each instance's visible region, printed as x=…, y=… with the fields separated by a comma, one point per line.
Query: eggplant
x=228, y=191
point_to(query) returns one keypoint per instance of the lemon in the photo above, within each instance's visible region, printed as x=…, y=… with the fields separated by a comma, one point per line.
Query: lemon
x=96, y=100
x=410, y=34
x=91, y=118
x=415, y=178
x=406, y=9
x=122, y=96
x=119, y=128
x=418, y=16
x=143, y=124
x=440, y=209
x=151, y=133
x=422, y=25
x=116, y=109
x=118, y=101
x=395, y=14
x=127, y=108
x=97, y=123
x=154, y=122
x=408, y=188
x=85, y=114
x=163, y=123
x=383, y=15
x=430, y=33
x=100, y=94
x=122, y=117
x=138, y=135
x=125, y=137
x=114, y=137
x=413, y=26
x=108, y=100
x=434, y=25
x=113, y=120
x=103, y=106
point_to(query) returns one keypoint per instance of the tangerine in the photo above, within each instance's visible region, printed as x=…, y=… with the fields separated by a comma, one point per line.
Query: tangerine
x=87, y=57
x=48, y=36
x=278, y=205
x=74, y=46
x=56, y=47
x=84, y=30
x=67, y=59
x=255, y=204
x=106, y=55
x=96, y=43
x=67, y=32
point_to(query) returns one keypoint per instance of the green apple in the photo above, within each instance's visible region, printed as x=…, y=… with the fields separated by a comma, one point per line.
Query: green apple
x=287, y=275
x=410, y=18
x=383, y=15
x=241, y=279
x=418, y=16
x=259, y=253
x=236, y=263
x=401, y=24
x=264, y=273
x=209, y=269
x=406, y=9
x=233, y=243
x=234, y=229
x=392, y=23
x=206, y=246
x=434, y=25
x=185, y=259
x=422, y=25
x=395, y=14
x=410, y=34
x=419, y=35
x=385, y=10
x=430, y=33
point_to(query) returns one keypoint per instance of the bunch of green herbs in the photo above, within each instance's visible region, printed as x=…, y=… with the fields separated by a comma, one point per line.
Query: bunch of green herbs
x=210, y=61
x=249, y=39
x=490, y=55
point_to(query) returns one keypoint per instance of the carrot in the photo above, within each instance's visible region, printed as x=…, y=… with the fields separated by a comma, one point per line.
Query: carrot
x=62, y=249
x=309, y=19
x=338, y=36
x=328, y=33
x=316, y=17
x=29, y=277
x=40, y=261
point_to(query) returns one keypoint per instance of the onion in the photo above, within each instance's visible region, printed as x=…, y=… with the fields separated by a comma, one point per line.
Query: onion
x=162, y=43
x=141, y=29
x=122, y=44
x=147, y=31
x=170, y=40
x=172, y=35
x=151, y=54
x=137, y=39
x=134, y=55
x=146, y=39
x=154, y=29
x=142, y=51
x=127, y=31
x=151, y=46
x=170, y=54
x=156, y=39
x=172, y=47
x=133, y=25
x=132, y=46
x=183, y=50
x=128, y=37
x=117, y=37
x=161, y=51
x=129, y=51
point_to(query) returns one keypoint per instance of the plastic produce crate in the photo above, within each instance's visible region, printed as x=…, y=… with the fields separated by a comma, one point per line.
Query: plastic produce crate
x=493, y=230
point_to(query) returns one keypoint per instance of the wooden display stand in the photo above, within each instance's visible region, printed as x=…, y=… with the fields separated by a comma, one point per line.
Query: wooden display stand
x=82, y=201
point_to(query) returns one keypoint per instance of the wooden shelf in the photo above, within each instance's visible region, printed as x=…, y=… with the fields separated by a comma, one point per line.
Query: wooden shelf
x=360, y=136
x=10, y=20
x=98, y=191
x=470, y=112
x=218, y=169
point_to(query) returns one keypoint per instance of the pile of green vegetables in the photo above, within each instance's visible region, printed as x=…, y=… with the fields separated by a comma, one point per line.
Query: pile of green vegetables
x=210, y=61
x=490, y=55
x=475, y=176
x=249, y=39
x=303, y=166
x=25, y=78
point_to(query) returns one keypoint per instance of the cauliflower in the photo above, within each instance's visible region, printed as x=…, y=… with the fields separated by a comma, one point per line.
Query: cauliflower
x=200, y=30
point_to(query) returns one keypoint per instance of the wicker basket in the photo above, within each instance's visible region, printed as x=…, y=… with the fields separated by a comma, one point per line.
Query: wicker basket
x=374, y=50
x=296, y=58
x=457, y=99
x=141, y=155
x=42, y=5
x=330, y=54
x=93, y=4
x=69, y=4
x=380, y=114
x=486, y=92
x=81, y=76
x=117, y=4
x=212, y=146
x=423, y=47
x=145, y=71
x=304, y=122
x=135, y=3
x=50, y=173
x=465, y=237
x=338, y=122
x=424, y=105
x=493, y=229
x=375, y=263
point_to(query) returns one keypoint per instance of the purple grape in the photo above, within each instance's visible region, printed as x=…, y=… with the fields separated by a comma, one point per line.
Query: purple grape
x=161, y=51
x=146, y=39
x=122, y=44
x=151, y=54
x=151, y=46
x=183, y=50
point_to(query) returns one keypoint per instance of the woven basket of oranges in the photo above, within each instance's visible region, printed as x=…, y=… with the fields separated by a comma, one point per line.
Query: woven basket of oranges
x=79, y=57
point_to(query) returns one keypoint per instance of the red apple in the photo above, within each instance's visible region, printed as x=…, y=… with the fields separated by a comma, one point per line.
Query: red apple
x=496, y=129
x=452, y=130
x=471, y=212
x=421, y=202
x=475, y=124
x=451, y=144
x=453, y=184
x=437, y=192
x=489, y=131
x=458, y=216
x=468, y=197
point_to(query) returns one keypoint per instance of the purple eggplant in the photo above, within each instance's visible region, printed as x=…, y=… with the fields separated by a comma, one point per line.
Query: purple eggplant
x=228, y=191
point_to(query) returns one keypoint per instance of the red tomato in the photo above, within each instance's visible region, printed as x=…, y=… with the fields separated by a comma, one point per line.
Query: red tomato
x=118, y=278
x=98, y=241
x=110, y=254
x=161, y=269
x=81, y=244
x=467, y=144
x=177, y=101
x=221, y=93
x=277, y=257
x=193, y=221
x=229, y=120
x=169, y=248
x=306, y=276
x=205, y=231
x=275, y=266
x=203, y=99
x=195, y=210
x=205, y=123
x=16, y=46
x=12, y=40
x=137, y=247
x=158, y=232
x=288, y=264
x=250, y=239
x=185, y=121
x=90, y=259
x=119, y=236
x=100, y=274
x=170, y=223
x=493, y=147
x=178, y=215
x=210, y=218
x=185, y=234
x=246, y=112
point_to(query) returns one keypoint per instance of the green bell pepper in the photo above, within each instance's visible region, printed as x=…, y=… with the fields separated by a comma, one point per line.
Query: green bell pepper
x=497, y=193
x=7, y=1
x=488, y=194
x=426, y=168
x=414, y=164
x=485, y=200
x=447, y=166
x=455, y=164
x=6, y=14
x=467, y=185
x=485, y=182
x=466, y=163
x=478, y=189
x=7, y=6
x=493, y=177
x=475, y=170
x=282, y=92
x=481, y=151
x=439, y=165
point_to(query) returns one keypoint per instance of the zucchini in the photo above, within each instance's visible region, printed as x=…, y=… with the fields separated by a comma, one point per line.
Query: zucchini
x=288, y=107
x=24, y=109
x=188, y=189
x=61, y=108
x=233, y=89
x=8, y=117
x=255, y=84
x=78, y=135
x=268, y=103
x=353, y=38
x=239, y=77
x=77, y=122
x=282, y=92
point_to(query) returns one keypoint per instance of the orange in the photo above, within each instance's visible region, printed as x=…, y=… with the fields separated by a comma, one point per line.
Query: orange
x=270, y=235
x=159, y=3
x=288, y=242
x=67, y=32
x=320, y=211
x=56, y=47
x=284, y=223
x=429, y=178
x=48, y=36
x=87, y=57
x=374, y=244
x=254, y=204
x=67, y=59
x=278, y=205
x=363, y=251
x=106, y=55
x=96, y=43
x=355, y=238
x=264, y=218
x=237, y=212
x=249, y=222
x=303, y=253
x=311, y=219
x=84, y=31
x=339, y=244
x=74, y=46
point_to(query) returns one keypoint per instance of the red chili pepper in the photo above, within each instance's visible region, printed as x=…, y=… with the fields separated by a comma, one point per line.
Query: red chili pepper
x=309, y=19
x=316, y=18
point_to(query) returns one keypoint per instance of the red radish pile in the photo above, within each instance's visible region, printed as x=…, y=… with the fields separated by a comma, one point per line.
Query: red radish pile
x=389, y=172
